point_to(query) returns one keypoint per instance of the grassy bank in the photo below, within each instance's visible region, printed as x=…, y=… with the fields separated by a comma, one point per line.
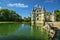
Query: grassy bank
x=9, y=22
x=13, y=22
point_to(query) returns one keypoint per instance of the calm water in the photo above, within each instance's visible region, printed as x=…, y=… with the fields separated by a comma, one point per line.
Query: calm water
x=18, y=31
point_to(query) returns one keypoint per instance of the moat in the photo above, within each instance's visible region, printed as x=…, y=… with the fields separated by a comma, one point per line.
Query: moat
x=22, y=31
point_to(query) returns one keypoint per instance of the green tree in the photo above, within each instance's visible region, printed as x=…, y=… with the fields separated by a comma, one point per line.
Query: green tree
x=9, y=15
x=27, y=19
x=57, y=12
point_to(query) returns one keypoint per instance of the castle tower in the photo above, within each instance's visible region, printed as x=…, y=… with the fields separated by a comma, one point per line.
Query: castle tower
x=43, y=15
x=33, y=16
x=38, y=15
x=52, y=17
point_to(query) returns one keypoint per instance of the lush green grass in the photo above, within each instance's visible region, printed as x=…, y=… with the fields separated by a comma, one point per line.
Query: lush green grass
x=9, y=22
x=12, y=22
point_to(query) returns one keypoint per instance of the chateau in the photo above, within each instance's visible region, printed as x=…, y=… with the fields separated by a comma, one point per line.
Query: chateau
x=40, y=15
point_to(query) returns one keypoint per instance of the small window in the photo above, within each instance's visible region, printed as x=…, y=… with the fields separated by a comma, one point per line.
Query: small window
x=40, y=13
x=37, y=14
x=37, y=11
x=37, y=18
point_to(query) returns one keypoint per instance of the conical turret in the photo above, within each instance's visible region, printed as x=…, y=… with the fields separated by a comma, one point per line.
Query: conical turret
x=32, y=9
x=43, y=9
x=53, y=13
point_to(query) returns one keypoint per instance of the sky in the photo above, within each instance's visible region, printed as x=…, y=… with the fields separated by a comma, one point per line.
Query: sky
x=24, y=7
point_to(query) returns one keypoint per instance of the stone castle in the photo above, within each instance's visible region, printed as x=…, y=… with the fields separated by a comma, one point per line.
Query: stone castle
x=40, y=15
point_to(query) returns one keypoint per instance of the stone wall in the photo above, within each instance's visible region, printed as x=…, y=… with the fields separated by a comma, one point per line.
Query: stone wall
x=56, y=24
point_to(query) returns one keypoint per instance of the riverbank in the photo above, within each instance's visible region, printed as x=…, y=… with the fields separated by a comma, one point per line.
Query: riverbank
x=12, y=22
x=9, y=22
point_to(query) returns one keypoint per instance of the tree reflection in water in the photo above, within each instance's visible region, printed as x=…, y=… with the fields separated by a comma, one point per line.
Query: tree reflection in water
x=25, y=31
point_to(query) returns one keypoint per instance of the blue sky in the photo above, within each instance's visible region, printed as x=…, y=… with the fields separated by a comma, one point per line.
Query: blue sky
x=24, y=7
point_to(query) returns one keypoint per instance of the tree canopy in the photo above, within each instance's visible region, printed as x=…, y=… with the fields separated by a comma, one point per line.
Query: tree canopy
x=27, y=19
x=9, y=15
x=57, y=12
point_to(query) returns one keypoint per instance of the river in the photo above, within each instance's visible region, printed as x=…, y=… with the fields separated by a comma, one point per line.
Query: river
x=22, y=31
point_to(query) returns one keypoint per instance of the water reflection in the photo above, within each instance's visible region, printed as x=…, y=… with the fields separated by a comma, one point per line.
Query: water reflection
x=7, y=28
x=38, y=32
x=25, y=31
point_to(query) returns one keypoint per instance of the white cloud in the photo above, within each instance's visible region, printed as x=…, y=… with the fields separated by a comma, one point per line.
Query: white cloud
x=18, y=5
x=49, y=1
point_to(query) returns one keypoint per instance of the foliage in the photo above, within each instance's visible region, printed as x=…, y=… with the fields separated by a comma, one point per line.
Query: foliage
x=57, y=12
x=9, y=15
x=27, y=19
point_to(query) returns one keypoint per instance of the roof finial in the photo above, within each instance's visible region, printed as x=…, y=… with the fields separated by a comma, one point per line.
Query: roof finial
x=32, y=9
x=43, y=8
x=37, y=6
x=53, y=12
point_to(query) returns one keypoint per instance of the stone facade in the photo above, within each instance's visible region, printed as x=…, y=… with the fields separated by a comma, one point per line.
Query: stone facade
x=39, y=15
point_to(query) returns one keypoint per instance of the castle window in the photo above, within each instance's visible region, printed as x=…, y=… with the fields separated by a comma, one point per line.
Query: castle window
x=37, y=18
x=37, y=11
x=37, y=14
x=40, y=13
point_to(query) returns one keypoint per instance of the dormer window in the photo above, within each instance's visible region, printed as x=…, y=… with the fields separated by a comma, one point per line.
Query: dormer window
x=37, y=11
